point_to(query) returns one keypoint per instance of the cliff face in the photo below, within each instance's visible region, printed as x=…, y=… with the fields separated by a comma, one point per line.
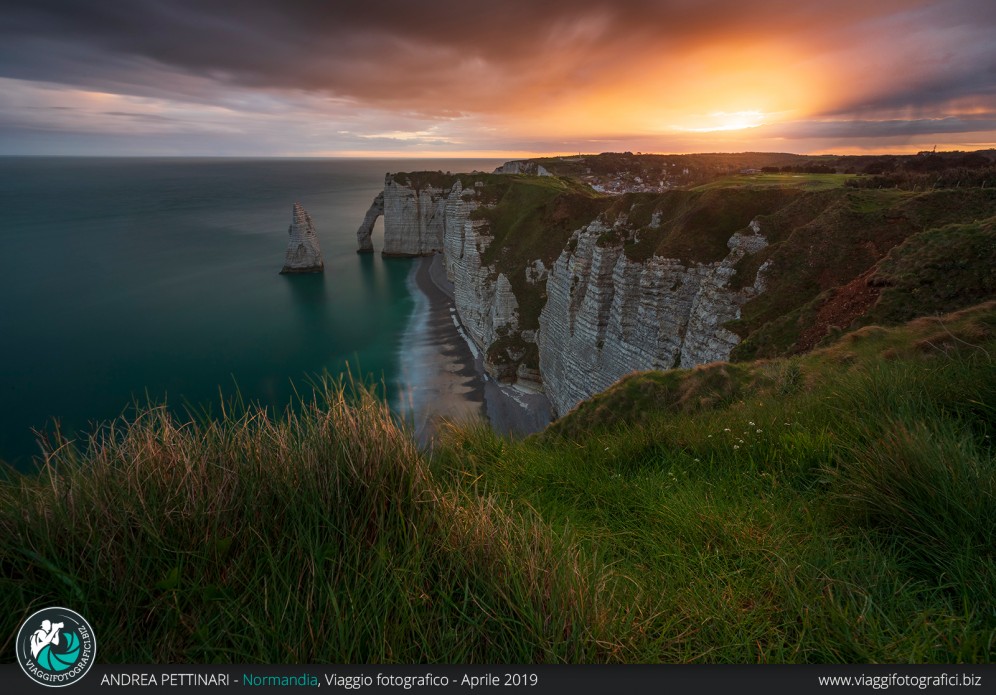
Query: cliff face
x=414, y=218
x=523, y=167
x=604, y=315
x=304, y=255
x=420, y=221
x=607, y=315
x=483, y=296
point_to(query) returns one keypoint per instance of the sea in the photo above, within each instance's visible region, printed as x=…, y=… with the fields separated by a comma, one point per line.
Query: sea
x=130, y=280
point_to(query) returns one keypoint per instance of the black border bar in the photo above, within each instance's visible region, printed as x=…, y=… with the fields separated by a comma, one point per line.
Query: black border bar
x=970, y=679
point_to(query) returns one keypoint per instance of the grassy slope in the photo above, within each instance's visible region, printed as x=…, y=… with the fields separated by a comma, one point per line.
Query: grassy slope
x=935, y=271
x=652, y=166
x=824, y=244
x=836, y=506
x=694, y=226
x=317, y=538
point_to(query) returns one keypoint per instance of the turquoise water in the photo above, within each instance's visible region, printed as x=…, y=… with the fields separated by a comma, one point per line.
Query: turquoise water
x=131, y=277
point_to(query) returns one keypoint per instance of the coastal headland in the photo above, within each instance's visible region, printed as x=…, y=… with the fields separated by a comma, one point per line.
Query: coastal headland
x=566, y=274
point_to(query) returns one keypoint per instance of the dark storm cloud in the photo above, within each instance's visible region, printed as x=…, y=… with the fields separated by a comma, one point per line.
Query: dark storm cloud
x=975, y=88
x=441, y=55
x=289, y=67
x=949, y=58
x=846, y=130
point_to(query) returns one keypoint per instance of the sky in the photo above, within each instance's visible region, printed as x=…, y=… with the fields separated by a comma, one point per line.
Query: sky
x=508, y=78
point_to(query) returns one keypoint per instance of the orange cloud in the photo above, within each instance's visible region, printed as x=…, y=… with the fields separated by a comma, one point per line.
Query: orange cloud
x=516, y=77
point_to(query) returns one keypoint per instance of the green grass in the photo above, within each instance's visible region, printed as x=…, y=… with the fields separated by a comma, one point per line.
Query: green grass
x=823, y=241
x=834, y=507
x=693, y=226
x=318, y=537
x=806, y=182
x=838, y=506
x=936, y=271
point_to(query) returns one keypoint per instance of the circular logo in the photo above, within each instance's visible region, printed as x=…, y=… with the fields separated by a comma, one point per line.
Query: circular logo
x=56, y=647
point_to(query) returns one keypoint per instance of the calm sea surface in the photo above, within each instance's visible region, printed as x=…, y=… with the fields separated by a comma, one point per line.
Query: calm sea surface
x=127, y=277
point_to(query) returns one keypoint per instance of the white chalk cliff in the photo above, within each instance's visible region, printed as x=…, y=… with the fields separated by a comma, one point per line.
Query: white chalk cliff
x=304, y=254
x=523, y=167
x=605, y=315
x=413, y=219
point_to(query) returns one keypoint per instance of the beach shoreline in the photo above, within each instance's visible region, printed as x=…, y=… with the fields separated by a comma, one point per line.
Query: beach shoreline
x=443, y=370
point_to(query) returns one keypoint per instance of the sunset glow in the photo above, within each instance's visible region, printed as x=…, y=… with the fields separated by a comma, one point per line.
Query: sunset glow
x=389, y=79
x=721, y=120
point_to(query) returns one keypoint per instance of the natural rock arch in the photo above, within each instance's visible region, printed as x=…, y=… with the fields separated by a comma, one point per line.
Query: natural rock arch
x=365, y=245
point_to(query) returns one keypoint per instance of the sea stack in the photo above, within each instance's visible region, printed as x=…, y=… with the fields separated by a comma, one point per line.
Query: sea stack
x=304, y=255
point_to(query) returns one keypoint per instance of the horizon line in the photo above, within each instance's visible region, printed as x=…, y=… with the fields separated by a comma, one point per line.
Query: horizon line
x=506, y=157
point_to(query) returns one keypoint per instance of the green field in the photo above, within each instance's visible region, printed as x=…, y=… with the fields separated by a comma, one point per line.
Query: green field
x=807, y=182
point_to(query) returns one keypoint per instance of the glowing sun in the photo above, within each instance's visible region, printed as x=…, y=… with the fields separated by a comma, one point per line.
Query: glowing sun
x=726, y=120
